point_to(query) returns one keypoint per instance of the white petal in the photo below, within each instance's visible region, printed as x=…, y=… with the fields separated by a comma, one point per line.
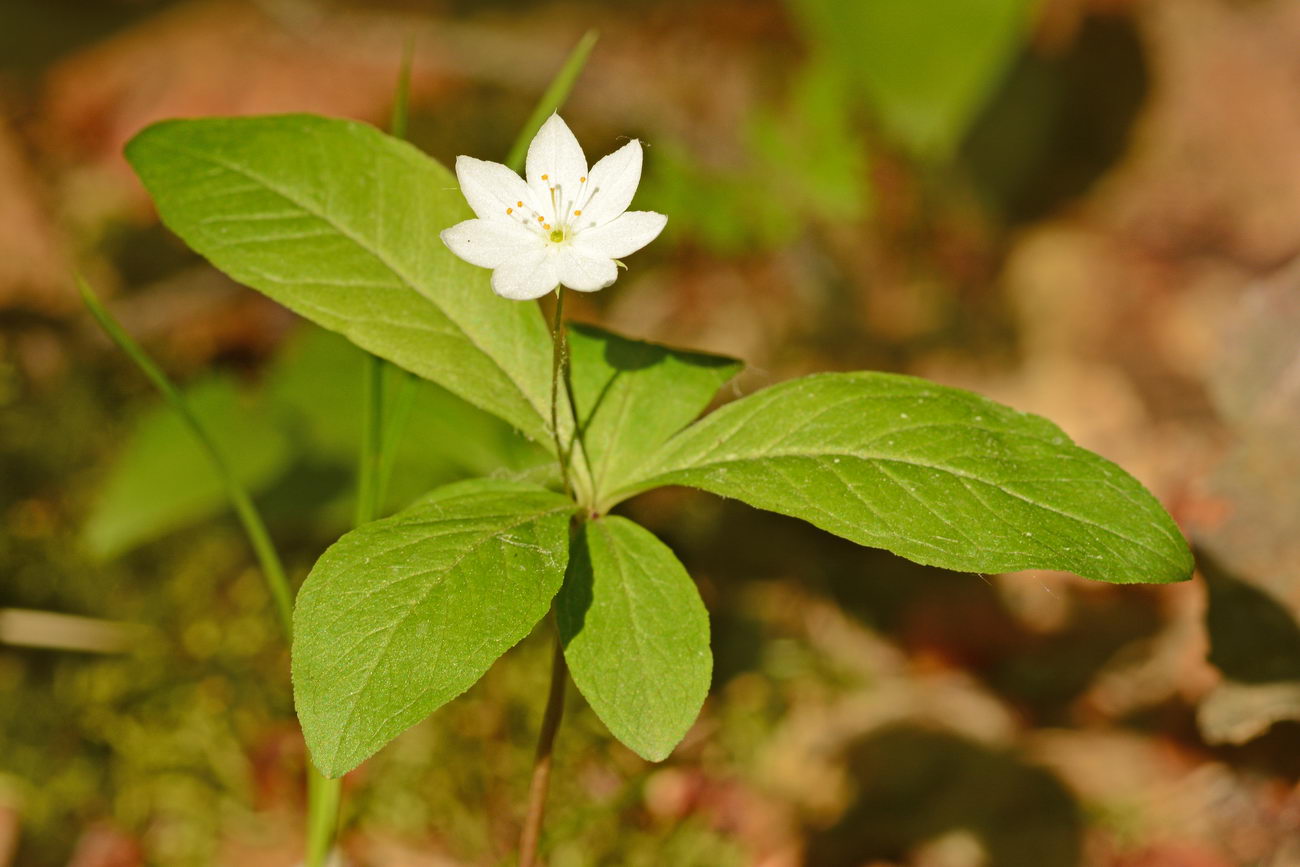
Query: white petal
x=611, y=185
x=526, y=278
x=491, y=244
x=621, y=236
x=584, y=273
x=555, y=159
x=491, y=189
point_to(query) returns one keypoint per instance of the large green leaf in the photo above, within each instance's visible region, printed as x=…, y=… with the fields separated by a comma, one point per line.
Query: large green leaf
x=927, y=68
x=163, y=479
x=940, y=476
x=340, y=222
x=402, y=615
x=632, y=396
x=636, y=635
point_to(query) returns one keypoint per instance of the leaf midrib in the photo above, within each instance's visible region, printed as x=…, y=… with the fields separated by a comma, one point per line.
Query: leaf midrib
x=919, y=464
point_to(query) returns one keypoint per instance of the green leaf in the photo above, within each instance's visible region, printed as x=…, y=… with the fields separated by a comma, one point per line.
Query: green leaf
x=402, y=615
x=632, y=396
x=927, y=68
x=938, y=475
x=163, y=480
x=444, y=439
x=340, y=223
x=636, y=635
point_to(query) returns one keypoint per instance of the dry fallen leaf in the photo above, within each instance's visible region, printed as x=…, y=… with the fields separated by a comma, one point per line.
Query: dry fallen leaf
x=33, y=264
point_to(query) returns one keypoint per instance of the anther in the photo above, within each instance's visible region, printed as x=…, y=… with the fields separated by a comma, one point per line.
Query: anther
x=577, y=213
x=519, y=204
x=544, y=177
x=582, y=180
x=510, y=210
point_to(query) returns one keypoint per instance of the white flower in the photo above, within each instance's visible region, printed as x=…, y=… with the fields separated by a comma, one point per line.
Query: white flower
x=564, y=225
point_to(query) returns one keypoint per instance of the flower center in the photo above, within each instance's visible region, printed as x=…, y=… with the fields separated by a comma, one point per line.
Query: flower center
x=561, y=222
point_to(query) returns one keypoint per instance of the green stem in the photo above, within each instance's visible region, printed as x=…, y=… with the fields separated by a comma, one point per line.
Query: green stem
x=402, y=98
x=551, y=100
x=403, y=401
x=323, y=798
x=323, y=794
x=249, y=517
x=559, y=372
x=540, y=784
x=532, y=831
x=371, y=459
x=374, y=463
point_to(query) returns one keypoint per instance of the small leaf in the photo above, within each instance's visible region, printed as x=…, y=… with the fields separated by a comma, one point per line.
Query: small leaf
x=927, y=68
x=163, y=480
x=340, y=223
x=402, y=615
x=636, y=635
x=937, y=475
x=632, y=396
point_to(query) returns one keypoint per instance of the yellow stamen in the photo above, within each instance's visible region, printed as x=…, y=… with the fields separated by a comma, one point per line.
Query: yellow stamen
x=519, y=204
x=577, y=213
x=582, y=180
x=544, y=177
x=510, y=210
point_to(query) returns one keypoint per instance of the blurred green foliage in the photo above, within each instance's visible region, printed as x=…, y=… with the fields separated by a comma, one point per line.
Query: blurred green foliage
x=163, y=480
x=921, y=74
x=924, y=69
x=299, y=422
x=806, y=164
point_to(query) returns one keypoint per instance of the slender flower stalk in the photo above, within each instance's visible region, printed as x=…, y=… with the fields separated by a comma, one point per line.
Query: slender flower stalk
x=530, y=836
x=560, y=226
x=559, y=372
x=537, y=789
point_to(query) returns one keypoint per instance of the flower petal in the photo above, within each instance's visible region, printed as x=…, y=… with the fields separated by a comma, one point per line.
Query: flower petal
x=526, y=278
x=491, y=244
x=611, y=185
x=555, y=159
x=584, y=273
x=621, y=236
x=491, y=189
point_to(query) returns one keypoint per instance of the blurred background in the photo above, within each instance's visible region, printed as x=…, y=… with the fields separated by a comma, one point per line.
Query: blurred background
x=1088, y=209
